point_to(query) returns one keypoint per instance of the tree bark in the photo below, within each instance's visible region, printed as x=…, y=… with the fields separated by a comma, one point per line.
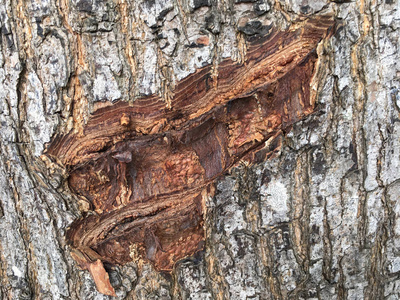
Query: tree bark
x=320, y=219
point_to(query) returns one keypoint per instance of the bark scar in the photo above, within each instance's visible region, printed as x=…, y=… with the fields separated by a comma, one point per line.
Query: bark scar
x=144, y=167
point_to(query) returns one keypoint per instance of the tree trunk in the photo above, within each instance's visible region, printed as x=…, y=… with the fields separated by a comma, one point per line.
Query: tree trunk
x=319, y=219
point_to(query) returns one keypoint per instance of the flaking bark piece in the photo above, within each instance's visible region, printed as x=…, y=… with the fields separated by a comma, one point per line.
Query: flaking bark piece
x=96, y=270
x=101, y=278
x=146, y=168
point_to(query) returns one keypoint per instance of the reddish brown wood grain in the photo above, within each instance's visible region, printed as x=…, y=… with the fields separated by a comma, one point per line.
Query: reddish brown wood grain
x=145, y=168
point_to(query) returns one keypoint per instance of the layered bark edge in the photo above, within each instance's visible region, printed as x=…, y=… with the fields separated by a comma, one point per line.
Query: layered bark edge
x=145, y=168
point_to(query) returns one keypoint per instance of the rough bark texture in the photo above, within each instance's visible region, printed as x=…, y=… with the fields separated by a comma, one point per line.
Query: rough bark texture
x=318, y=220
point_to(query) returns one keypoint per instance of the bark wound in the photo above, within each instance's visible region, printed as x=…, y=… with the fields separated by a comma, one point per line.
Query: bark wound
x=145, y=168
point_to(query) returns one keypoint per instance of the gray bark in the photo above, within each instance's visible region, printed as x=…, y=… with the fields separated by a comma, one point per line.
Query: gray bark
x=319, y=221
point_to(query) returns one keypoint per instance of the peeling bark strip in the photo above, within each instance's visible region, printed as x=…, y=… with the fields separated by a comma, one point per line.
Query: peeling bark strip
x=145, y=168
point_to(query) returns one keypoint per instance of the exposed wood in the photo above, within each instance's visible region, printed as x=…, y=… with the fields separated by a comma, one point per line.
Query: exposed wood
x=310, y=211
x=143, y=167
